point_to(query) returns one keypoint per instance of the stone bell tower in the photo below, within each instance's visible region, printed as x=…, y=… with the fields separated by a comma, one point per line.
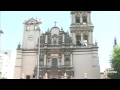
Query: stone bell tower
x=31, y=33
x=85, y=52
x=26, y=57
x=81, y=28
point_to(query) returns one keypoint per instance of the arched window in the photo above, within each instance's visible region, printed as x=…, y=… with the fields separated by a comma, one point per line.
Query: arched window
x=85, y=19
x=54, y=61
x=78, y=39
x=35, y=27
x=85, y=41
x=28, y=27
x=77, y=18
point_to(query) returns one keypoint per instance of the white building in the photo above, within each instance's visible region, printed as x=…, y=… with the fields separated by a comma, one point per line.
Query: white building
x=4, y=65
x=11, y=55
x=62, y=55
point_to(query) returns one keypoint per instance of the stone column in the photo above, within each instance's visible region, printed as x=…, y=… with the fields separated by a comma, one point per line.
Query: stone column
x=74, y=38
x=46, y=39
x=81, y=37
x=50, y=62
x=81, y=19
x=51, y=40
x=62, y=59
x=63, y=38
x=88, y=19
x=89, y=38
x=58, y=62
x=73, y=18
x=34, y=26
x=71, y=60
x=44, y=59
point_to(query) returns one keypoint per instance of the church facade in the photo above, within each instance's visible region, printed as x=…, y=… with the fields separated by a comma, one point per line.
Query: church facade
x=56, y=54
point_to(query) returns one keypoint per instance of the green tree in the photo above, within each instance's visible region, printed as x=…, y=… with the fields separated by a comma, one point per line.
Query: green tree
x=115, y=63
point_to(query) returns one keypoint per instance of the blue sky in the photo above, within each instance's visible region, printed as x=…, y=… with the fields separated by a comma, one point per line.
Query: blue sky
x=107, y=26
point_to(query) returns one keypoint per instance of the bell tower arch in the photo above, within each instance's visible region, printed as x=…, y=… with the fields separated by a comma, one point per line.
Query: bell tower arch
x=31, y=33
x=81, y=28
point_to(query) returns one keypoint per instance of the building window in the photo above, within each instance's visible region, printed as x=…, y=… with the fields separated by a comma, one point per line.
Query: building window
x=28, y=28
x=54, y=61
x=77, y=20
x=78, y=37
x=84, y=19
x=5, y=53
x=85, y=41
x=27, y=76
x=35, y=27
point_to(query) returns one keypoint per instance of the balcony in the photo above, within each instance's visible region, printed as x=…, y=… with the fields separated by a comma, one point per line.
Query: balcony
x=56, y=68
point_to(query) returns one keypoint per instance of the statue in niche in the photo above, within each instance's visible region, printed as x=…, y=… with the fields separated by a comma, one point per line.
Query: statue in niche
x=85, y=75
x=65, y=76
x=70, y=40
x=54, y=40
x=71, y=77
x=46, y=76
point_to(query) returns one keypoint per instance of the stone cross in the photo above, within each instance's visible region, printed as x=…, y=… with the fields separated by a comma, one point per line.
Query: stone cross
x=55, y=23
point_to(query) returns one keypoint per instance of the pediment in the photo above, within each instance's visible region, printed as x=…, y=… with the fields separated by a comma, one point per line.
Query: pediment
x=31, y=21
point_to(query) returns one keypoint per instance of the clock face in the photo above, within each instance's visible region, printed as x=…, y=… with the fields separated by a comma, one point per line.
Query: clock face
x=30, y=37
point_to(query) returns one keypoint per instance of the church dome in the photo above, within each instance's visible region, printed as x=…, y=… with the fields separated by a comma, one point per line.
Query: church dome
x=55, y=30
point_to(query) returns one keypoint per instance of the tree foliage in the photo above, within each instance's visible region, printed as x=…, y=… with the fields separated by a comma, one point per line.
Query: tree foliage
x=115, y=63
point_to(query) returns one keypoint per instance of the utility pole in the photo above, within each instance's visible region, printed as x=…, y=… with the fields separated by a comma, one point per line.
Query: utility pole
x=38, y=58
